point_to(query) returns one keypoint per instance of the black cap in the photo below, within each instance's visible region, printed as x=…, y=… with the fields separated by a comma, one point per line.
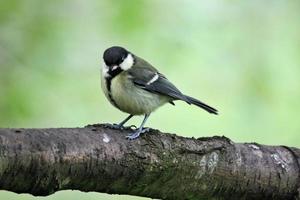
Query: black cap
x=114, y=55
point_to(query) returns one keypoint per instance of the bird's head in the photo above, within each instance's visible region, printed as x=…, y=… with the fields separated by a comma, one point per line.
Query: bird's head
x=116, y=59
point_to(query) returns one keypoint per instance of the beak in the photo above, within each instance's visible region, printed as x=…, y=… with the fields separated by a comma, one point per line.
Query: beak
x=114, y=67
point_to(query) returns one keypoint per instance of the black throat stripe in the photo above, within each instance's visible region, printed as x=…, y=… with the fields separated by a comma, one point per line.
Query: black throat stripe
x=112, y=74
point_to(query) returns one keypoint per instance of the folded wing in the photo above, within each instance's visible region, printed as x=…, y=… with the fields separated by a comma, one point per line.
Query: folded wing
x=153, y=81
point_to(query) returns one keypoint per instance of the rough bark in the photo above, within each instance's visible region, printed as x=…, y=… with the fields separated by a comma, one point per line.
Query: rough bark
x=157, y=165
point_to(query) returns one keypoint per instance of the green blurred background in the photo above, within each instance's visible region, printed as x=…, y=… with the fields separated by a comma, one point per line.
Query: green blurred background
x=242, y=57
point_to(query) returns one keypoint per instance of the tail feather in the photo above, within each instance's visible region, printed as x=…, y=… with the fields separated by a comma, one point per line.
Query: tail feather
x=191, y=100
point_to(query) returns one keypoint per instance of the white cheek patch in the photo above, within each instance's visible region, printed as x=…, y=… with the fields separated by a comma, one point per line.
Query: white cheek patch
x=114, y=67
x=153, y=79
x=105, y=70
x=127, y=62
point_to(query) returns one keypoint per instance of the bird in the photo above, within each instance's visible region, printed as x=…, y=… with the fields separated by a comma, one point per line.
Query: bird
x=134, y=86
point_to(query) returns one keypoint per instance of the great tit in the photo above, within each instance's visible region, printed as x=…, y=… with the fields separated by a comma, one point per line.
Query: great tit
x=134, y=86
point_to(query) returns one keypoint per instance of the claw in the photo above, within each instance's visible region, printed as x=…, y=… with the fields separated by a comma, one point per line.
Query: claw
x=133, y=136
x=145, y=130
x=137, y=133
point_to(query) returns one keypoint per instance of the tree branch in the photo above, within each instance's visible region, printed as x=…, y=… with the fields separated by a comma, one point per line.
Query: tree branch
x=157, y=165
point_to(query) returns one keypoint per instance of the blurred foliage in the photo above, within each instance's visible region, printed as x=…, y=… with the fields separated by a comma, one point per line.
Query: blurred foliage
x=243, y=57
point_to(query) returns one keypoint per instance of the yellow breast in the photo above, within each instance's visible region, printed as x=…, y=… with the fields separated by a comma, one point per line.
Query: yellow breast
x=132, y=99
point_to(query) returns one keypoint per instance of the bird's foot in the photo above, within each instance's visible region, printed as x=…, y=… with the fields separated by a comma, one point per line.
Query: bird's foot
x=137, y=133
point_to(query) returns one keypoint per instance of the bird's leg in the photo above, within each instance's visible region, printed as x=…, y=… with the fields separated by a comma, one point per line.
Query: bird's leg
x=140, y=130
x=121, y=124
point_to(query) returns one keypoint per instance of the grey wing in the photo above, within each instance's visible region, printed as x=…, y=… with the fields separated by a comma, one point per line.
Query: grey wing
x=153, y=81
